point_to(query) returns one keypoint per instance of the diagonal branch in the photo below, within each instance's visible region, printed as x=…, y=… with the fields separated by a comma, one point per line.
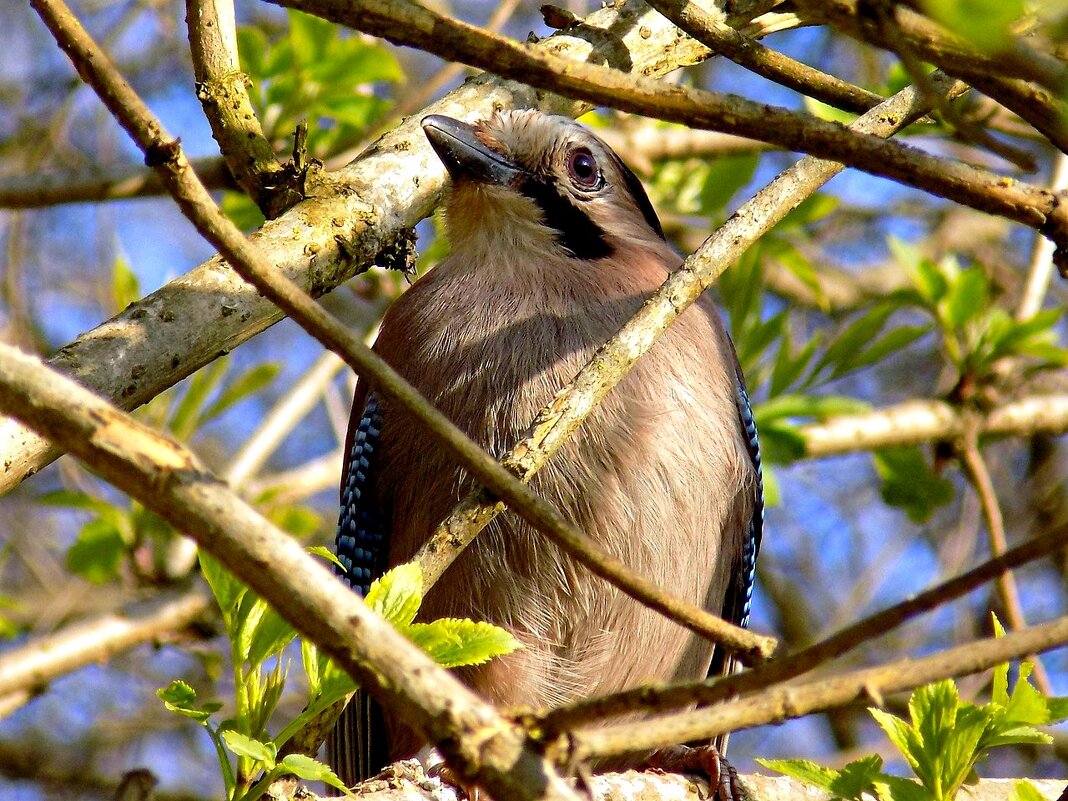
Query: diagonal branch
x=775, y=705
x=793, y=665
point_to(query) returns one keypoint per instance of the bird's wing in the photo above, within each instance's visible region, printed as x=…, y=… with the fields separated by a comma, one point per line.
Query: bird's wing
x=738, y=601
x=357, y=746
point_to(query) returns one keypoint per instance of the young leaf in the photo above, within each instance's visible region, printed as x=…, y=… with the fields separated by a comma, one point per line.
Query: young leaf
x=1025, y=791
x=325, y=553
x=272, y=634
x=895, y=788
x=803, y=770
x=245, y=746
x=967, y=296
x=858, y=777
x=311, y=770
x=98, y=551
x=901, y=734
x=180, y=697
x=249, y=383
x=452, y=643
x=910, y=484
x=1000, y=683
x=226, y=588
x=398, y=594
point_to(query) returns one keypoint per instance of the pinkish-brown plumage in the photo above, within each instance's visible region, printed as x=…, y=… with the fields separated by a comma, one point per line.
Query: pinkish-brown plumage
x=661, y=472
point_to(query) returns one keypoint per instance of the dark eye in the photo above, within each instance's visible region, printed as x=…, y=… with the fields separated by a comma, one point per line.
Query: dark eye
x=582, y=169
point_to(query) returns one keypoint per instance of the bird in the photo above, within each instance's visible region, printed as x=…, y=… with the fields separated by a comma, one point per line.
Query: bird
x=554, y=244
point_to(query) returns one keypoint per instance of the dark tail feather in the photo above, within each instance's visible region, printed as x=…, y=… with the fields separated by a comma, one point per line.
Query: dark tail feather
x=356, y=748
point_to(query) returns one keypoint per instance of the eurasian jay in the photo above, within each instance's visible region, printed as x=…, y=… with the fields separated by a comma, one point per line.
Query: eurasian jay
x=554, y=245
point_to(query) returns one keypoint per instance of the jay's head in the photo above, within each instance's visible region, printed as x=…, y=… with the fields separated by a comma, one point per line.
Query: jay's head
x=530, y=183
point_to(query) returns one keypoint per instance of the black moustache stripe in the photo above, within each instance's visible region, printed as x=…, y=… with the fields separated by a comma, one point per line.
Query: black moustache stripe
x=574, y=229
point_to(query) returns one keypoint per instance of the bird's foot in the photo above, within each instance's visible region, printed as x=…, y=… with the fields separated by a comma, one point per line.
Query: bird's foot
x=705, y=760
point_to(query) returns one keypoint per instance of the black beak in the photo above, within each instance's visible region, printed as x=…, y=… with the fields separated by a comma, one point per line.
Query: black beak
x=464, y=156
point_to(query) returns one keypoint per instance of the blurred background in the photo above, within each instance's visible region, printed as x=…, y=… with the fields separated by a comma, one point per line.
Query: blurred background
x=826, y=312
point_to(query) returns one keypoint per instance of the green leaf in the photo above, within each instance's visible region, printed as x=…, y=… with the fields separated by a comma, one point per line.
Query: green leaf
x=198, y=387
x=124, y=284
x=311, y=770
x=180, y=697
x=398, y=594
x=853, y=340
x=452, y=643
x=901, y=734
x=1057, y=710
x=780, y=443
x=967, y=297
x=226, y=588
x=244, y=746
x=788, y=367
x=806, y=406
x=858, y=777
x=242, y=211
x=98, y=551
x=803, y=770
x=1000, y=682
x=311, y=35
x=962, y=748
x=985, y=23
x=249, y=383
x=922, y=273
x=910, y=484
x=1023, y=790
x=325, y=553
x=271, y=635
x=891, y=342
x=252, y=48
x=812, y=209
x=724, y=178
x=895, y=788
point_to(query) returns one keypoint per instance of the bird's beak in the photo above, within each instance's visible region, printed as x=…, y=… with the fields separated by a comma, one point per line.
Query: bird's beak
x=464, y=156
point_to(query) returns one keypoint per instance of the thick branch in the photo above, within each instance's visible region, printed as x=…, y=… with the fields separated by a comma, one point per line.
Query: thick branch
x=223, y=94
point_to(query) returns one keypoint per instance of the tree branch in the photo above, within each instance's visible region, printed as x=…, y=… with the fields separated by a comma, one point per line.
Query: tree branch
x=37, y=662
x=777, y=704
x=674, y=696
x=222, y=91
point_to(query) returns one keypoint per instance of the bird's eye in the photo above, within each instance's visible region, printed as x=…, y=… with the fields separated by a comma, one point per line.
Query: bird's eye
x=582, y=169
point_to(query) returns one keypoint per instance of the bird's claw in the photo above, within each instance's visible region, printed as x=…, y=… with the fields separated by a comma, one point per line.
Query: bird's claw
x=705, y=760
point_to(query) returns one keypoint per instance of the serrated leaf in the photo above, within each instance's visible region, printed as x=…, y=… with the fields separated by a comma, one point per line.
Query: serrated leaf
x=999, y=693
x=271, y=635
x=453, y=643
x=803, y=770
x=244, y=746
x=1026, y=706
x=901, y=734
x=398, y=594
x=858, y=777
x=178, y=694
x=961, y=747
x=311, y=770
x=98, y=551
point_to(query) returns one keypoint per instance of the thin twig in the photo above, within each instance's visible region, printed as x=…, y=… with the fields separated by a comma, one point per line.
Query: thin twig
x=974, y=466
x=782, y=669
x=554, y=424
x=724, y=40
x=420, y=27
x=196, y=204
x=1040, y=271
x=869, y=685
